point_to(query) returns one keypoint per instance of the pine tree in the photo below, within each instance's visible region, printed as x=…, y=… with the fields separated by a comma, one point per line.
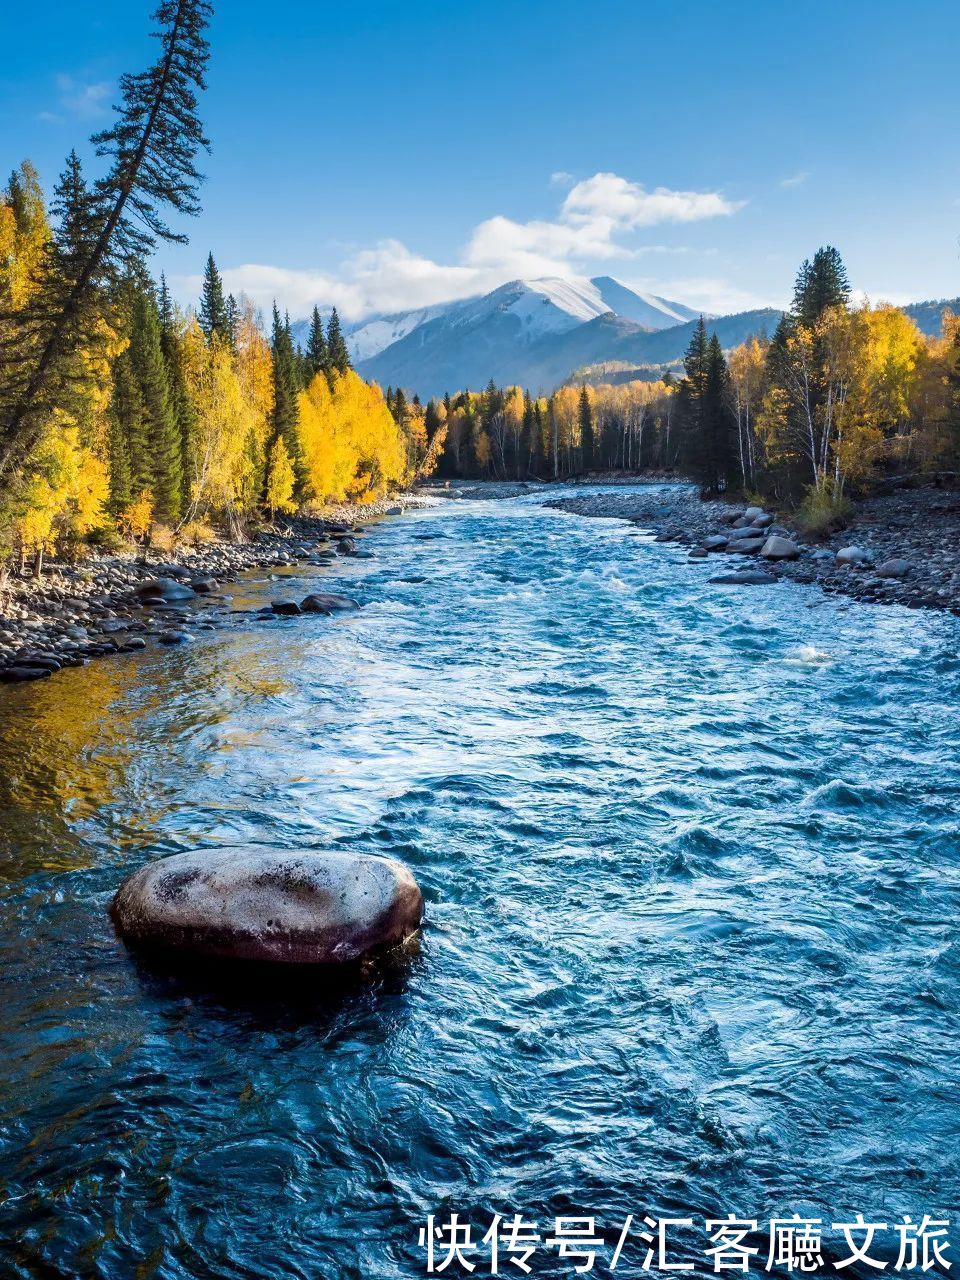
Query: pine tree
x=181, y=402
x=585, y=421
x=213, y=315
x=431, y=419
x=127, y=434
x=233, y=321
x=692, y=402
x=153, y=146
x=163, y=468
x=820, y=284
x=79, y=215
x=718, y=460
x=337, y=353
x=400, y=407
x=286, y=410
x=318, y=357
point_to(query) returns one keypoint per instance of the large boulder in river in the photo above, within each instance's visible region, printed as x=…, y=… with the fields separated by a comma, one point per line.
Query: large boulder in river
x=745, y=578
x=324, y=602
x=269, y=905
x=777, y=548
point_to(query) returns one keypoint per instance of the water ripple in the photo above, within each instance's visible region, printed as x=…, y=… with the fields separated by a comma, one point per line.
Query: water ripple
x=691, y=865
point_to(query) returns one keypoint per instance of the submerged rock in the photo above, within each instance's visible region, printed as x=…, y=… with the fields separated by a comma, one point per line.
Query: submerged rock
x=174, y=637
x=322, y=602
x=745, y=577
x=16, y=675
x=270, y=905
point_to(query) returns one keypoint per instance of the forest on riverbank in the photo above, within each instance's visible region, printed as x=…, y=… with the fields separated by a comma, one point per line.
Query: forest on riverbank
x=839, y=397
x=125, y=418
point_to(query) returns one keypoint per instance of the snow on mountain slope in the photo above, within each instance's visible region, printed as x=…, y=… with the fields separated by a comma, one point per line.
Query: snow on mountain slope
x=379, y=332
x=643, y=308
x=554, y=305
x=550, y=305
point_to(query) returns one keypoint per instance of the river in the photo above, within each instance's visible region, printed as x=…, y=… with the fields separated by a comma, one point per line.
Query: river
x=690, y=856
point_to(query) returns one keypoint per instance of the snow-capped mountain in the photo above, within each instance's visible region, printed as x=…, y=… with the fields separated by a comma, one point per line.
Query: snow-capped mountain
x=464, y=344
x=551, y=305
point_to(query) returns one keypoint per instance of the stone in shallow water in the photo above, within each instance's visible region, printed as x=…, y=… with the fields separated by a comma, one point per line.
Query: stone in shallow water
x=285, y=607
x=17, y=675
x=270, y=905
x=322, y=602
x=745, y=578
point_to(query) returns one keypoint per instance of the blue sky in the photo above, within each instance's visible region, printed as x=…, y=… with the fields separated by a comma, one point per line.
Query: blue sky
x=399, y=152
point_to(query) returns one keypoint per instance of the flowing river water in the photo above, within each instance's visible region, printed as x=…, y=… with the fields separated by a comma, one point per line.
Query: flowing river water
x=690, y=856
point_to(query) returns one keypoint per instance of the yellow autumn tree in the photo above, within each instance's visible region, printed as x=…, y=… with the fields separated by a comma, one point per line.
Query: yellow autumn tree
x=352, y=447
x=231, y=426
x=24, y=236
x=281, y=478
x=64, y=494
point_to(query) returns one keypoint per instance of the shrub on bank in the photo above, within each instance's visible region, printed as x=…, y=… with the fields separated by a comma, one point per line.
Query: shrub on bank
x=824, y=510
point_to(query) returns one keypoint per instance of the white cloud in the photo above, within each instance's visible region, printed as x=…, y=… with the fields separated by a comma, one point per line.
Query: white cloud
x=795, y=180
x=595, y=223
x=562, y=179
x=80, y=99
x=608, y=198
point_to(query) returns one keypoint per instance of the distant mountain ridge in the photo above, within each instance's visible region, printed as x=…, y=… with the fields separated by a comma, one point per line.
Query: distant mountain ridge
x=509, y=331
x=539, y=333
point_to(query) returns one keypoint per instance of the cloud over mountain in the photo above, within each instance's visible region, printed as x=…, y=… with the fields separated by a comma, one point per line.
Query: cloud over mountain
x=598, y=220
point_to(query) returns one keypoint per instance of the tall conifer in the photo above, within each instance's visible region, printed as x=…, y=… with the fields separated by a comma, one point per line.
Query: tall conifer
x=318, y=356
x=213, y=314
x=337, y=352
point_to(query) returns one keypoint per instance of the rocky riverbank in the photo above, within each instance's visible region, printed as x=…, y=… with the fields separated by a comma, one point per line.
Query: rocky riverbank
x=901, y=548
x=117, y=604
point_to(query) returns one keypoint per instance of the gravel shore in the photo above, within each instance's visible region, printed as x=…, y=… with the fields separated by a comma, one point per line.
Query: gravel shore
x=117, y=604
